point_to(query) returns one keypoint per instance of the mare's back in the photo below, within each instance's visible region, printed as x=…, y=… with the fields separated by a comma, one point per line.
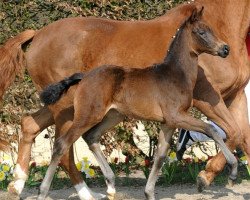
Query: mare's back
x=79, y=44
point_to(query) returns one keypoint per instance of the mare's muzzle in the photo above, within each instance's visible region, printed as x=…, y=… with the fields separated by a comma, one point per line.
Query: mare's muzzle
x=224, y=51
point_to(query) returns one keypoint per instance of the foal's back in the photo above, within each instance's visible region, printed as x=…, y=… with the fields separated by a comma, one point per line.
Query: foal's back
x=138, y=93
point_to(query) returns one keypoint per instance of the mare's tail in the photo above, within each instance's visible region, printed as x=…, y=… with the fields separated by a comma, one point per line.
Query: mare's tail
x=11, y=64
x=52, y=93
x=12, y=58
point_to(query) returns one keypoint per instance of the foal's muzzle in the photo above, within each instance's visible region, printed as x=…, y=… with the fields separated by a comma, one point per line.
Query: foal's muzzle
x=224, y=51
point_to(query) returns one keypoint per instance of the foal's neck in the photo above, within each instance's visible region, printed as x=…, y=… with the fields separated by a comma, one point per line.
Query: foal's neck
x=181, y=57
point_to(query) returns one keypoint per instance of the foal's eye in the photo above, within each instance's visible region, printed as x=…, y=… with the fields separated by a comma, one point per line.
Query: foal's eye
x=201, y=32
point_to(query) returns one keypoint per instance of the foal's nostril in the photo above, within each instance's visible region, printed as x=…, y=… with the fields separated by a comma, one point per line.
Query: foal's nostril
x=226, y=49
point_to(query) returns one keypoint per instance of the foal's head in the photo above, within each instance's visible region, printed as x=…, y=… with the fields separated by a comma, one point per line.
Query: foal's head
x=203, y=39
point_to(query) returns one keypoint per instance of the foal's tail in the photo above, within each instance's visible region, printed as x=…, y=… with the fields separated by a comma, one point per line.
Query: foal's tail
x=12, y=58
x=52, y=93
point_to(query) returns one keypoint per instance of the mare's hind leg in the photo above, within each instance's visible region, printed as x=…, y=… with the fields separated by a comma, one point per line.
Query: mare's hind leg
x=92, y=137
x=163, y=145
x=31, y=127
x=238, y=109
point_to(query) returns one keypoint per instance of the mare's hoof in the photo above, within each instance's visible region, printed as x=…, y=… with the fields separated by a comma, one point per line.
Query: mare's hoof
x=11, y=189
x=201, y=183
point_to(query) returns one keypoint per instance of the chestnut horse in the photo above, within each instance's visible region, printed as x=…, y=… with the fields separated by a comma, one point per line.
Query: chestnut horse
x=79, y=44
x=167, y=96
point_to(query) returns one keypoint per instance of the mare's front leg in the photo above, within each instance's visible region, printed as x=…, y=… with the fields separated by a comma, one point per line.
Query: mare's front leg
x=163, y=145
x=92, y=137
x=31, y=126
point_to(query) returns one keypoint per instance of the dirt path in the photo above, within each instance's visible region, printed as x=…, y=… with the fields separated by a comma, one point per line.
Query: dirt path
x=178, y=192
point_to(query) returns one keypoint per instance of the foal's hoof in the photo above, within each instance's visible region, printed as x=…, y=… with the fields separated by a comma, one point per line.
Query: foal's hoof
x=231, y=182
x=111, y=196
x=99, y=196
x=201, y=183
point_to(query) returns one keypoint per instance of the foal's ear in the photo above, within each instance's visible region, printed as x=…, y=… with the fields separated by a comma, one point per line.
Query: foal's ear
x=196, y=15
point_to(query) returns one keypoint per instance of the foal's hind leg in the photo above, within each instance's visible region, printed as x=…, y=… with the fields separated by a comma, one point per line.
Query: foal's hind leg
x=63, y=122
x=163, y=145
x=31, y=127
x=89, y=111
x=92, y=137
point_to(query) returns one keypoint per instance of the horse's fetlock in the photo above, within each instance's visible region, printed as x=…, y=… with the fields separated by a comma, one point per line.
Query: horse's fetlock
x=149, y=193
x=149, y=196
x=93, y=146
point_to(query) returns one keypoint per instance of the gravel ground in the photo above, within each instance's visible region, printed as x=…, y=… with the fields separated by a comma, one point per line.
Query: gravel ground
x=178, y=192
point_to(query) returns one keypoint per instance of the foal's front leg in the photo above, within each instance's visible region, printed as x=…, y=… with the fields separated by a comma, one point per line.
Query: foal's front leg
x=211, y=103
x=163, y=145
x=187, y=122
x=238, y=112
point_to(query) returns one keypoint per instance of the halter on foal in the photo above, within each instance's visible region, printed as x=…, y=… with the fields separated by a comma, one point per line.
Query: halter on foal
x=162, y=92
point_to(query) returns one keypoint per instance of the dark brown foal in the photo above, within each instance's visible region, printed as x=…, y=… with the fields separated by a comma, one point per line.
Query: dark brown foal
x=162, y=92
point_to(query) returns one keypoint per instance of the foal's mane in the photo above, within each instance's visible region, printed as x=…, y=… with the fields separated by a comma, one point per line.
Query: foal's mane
x=176, y=39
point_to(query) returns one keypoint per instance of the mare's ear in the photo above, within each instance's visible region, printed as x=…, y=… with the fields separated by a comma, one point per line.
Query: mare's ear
x=196, y=15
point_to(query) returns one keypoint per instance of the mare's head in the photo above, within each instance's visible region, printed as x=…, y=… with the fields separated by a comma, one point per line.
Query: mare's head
x=203, y=39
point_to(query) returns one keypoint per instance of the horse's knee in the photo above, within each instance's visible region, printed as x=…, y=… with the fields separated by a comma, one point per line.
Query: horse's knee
x=29, y=128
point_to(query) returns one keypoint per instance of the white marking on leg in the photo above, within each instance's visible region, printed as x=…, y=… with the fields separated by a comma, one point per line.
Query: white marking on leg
x=19, y=173
x=19, y=185
x=111, y=190
x=83, y=191
x=20, y=178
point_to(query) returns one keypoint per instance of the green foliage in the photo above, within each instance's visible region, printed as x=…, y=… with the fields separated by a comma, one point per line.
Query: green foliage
x=169, y=170
x=17, y=16
x=5, y=174
x=37, y=174
x=194, y=169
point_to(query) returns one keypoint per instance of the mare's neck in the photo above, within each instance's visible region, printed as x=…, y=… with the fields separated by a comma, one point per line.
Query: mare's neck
x=231, y=19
